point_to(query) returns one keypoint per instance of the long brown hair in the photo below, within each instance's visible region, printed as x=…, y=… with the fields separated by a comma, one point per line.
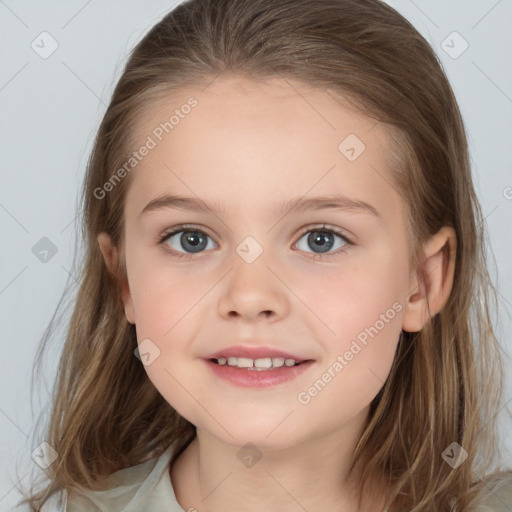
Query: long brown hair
x=446, y=381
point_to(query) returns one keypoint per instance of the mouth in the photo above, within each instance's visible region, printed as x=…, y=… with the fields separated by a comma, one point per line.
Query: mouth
x=258, y=373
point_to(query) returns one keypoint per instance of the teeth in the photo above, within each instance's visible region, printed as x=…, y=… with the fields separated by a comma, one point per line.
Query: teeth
x=278, y=361
x=265, y=363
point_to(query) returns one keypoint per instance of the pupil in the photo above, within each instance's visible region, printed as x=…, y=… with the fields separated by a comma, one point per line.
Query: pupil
x=196, y=240
x=322, y=239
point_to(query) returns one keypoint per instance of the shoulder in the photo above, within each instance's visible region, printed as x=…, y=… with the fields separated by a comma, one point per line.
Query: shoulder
x=129, y=489
x=496, y=493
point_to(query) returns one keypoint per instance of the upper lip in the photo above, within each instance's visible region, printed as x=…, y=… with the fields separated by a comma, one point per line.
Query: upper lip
x=253, y=352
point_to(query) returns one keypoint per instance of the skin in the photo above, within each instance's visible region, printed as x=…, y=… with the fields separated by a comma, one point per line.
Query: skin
x=250, y=146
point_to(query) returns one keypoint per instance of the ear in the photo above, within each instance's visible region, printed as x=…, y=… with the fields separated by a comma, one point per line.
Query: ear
x=111, y=257
x=430, y=293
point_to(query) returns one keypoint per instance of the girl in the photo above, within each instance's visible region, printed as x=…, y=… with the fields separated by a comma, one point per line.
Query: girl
x=284, y=303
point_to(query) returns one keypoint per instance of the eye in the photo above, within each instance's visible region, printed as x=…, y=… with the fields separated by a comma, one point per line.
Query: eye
x=191, y=239
x=323, y=238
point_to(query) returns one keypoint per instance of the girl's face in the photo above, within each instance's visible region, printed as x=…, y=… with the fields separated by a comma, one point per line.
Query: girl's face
x=250, y=274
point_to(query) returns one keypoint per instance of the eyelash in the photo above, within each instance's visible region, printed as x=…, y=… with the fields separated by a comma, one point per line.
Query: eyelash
x=316, y=256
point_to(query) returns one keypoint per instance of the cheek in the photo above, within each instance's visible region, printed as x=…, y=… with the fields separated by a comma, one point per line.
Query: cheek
x=365, y=326
x=353, y=295
x=167, y=314
x=360, y=308
x=163, y=297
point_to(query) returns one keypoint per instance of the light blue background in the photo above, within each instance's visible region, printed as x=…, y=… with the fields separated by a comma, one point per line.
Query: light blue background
x=52, y=107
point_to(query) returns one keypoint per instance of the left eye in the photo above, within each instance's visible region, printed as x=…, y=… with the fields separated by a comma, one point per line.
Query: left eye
x=323, y=238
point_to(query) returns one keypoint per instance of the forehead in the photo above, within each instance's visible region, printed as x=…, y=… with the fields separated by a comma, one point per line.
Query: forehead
x=251, y=143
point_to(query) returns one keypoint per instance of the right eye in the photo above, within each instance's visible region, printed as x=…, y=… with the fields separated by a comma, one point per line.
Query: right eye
x=190, y=239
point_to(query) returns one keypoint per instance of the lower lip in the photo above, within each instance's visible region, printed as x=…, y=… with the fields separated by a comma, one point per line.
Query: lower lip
x=257, y=378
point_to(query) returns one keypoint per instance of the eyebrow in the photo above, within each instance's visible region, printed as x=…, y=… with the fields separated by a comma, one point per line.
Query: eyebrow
x=296, y=205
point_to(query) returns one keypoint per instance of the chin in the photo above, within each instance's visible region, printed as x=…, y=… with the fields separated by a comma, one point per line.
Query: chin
x=265, y=437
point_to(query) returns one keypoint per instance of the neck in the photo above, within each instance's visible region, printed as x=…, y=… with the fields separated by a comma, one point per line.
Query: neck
x=213, y=476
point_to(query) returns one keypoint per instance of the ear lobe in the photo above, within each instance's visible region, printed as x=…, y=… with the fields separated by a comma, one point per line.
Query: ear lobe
x=111, y=257
x=431, y=292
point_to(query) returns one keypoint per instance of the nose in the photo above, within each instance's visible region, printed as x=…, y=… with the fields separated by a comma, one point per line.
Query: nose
x=251, y=291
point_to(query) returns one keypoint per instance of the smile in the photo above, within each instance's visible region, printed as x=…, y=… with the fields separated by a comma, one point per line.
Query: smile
x=261, y=364
x=257, y=373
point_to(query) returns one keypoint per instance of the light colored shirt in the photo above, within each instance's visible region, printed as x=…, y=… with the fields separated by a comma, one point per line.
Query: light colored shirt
x=148, y=487
x=145, y=487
